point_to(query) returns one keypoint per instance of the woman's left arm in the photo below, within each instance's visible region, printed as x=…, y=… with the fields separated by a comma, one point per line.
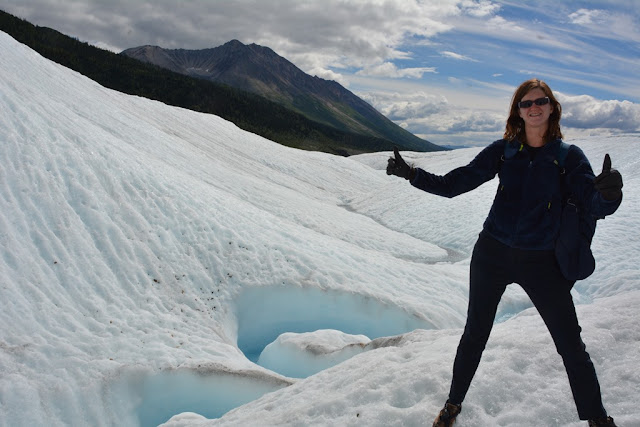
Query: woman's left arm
x=600, y=195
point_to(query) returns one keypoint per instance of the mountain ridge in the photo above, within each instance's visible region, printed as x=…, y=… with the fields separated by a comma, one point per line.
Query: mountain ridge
x=260, y=70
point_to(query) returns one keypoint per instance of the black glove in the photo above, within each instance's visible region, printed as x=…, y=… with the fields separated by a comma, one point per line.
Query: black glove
x=609, y=182
x=398, y=167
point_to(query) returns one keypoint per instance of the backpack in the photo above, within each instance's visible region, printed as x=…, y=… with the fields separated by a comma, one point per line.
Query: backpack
x=577, y=227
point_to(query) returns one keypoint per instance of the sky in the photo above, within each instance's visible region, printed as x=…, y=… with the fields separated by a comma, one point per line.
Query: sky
x=148, y=255
x=445, y=70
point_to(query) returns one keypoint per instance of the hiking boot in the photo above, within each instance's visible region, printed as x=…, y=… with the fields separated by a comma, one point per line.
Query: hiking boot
x=448, y=414
x=602, y=422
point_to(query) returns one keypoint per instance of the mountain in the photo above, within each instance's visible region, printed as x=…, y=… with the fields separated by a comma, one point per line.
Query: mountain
x=248, y=111
x=260, y=70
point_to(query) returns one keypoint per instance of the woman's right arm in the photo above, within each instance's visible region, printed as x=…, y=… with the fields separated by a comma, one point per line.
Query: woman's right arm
x=481, y=169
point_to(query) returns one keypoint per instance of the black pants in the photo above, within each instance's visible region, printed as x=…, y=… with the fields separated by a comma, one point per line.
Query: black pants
x=493, y=267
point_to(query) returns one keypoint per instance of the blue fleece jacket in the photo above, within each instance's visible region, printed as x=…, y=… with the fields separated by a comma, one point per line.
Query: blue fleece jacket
x=526, y=209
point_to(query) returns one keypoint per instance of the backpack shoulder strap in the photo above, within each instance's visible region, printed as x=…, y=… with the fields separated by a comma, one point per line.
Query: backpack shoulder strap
x=511, y=148
x=561, y=154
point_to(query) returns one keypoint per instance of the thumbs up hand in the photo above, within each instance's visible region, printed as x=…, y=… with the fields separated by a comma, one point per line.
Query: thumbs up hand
x=609, y=182
x=397, y=166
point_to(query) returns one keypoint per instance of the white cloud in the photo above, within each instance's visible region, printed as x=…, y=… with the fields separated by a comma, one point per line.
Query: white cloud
x=401, y=106
x=614, y=24
x=457, y=56
x=428, y=115
x=462, y=120
x=388, y=69
x=480, y=9
x=498, y=24
x=587, y=112
x=585, y=16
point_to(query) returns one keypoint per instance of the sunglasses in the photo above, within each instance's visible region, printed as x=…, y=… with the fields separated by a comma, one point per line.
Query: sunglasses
x=529, y=104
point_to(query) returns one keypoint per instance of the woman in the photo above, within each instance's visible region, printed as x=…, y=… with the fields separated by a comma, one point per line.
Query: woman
x=516, y=244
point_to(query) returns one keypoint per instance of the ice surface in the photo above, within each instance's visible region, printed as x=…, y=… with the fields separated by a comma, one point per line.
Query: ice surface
x=302, y=355
x=294, y=309
x=208, y=391
x=145, y=249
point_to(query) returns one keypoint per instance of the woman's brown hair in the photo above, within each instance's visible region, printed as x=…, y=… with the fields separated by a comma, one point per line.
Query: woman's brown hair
x=515, y=124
